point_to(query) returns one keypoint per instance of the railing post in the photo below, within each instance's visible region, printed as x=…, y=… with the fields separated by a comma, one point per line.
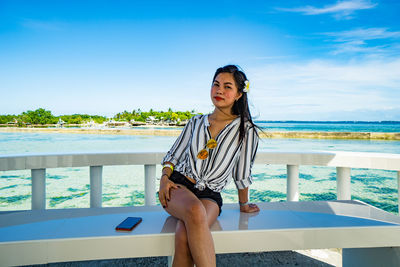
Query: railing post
x=398, y=192
x=38, y=189
x=170, y=260
x=343, y=183
x=96, y=186
x=292, y=184
x=149, y=185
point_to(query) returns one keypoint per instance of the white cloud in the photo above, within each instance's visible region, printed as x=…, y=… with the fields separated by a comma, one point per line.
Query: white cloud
x=357, y=41
x=341, y=9
x=362, y=34
x=318, y=88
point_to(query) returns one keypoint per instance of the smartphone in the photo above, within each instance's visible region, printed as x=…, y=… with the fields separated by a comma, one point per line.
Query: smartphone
x=128, y=224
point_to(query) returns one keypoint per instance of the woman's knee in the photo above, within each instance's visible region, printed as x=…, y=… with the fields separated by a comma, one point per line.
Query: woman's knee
x=196, y=213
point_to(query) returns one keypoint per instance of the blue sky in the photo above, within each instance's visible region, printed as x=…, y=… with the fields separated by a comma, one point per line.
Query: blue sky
x=306, y=60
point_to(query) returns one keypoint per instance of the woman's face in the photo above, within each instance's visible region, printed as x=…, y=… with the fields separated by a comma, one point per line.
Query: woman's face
x=224, y=92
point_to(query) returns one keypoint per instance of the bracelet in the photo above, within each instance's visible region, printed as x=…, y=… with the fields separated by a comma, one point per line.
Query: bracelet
x=243, y=204
x=168, y=166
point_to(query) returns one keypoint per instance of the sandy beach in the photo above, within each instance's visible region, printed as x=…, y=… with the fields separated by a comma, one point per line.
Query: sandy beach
x=175, y=132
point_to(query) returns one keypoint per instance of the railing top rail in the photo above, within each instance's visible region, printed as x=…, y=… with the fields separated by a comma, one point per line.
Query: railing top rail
x=369, y=160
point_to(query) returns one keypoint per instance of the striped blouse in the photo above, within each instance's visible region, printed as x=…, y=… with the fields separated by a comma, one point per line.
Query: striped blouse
x=227, y=160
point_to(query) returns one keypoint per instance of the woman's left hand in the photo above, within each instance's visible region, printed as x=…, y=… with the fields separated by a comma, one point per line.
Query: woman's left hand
x=251, y=207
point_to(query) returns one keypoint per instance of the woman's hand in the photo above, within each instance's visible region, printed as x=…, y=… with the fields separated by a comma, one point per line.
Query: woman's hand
x=249, y=208
x=165, y=188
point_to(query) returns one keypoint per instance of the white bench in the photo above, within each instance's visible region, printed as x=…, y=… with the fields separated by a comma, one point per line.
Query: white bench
x=368, y=236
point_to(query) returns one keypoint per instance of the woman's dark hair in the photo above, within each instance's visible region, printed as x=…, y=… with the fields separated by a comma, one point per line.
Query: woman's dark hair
x=241, y=106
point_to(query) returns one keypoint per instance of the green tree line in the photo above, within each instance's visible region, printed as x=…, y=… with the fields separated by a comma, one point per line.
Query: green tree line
x=142, y=116
x=42, y=116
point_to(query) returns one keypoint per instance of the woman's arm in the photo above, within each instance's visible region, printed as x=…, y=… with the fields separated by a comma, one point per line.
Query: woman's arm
x=245, y=206
x=178, y=149
x=242, y=170
x=166, y=185
x=172, y=158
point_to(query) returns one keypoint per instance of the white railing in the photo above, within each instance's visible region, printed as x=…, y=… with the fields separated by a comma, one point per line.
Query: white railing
x=343, y=161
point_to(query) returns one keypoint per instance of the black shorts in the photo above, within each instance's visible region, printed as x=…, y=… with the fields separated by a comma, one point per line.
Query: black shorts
x=207, y=193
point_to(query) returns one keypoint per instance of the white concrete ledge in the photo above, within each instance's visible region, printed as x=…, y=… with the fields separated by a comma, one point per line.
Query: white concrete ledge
x=38, y=237
x=369, y=160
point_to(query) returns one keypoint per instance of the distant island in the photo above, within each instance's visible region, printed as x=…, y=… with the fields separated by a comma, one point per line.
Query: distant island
x=44, y=118
x=41, y=118
x=153, y=122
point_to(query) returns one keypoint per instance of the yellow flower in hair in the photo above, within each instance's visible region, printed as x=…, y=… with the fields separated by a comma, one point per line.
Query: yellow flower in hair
x=211, y=143
x=246, y=86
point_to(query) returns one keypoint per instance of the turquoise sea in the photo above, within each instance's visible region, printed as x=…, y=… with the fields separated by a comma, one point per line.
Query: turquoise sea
x=124, y=186
x=318, y=126
x=321, y=126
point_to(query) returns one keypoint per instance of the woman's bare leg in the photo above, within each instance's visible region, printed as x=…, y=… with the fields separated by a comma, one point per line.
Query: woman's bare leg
x=184, y=257
x=212, y=211
x=185, y=206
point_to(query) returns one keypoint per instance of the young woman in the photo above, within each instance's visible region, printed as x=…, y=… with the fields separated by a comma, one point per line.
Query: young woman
x=211, y=150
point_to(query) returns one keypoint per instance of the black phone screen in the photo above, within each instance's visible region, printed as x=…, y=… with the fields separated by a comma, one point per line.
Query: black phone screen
x=128, y=224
